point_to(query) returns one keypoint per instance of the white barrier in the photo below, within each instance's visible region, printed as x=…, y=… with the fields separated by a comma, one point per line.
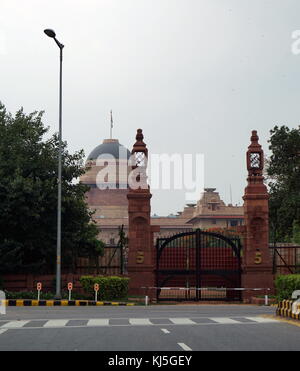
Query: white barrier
x=207, y=288
x=2, y=302
x=296, y=304
x=223, y=290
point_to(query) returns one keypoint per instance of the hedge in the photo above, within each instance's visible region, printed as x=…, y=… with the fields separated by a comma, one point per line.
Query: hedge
x=110, y=288
x=44, y=295
x=285, y=285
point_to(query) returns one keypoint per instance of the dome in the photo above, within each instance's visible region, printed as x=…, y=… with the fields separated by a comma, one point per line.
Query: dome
x=111, y=147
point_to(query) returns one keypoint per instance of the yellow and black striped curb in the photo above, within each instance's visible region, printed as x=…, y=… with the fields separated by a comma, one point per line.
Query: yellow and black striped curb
x=59, y=303
x=285, y=309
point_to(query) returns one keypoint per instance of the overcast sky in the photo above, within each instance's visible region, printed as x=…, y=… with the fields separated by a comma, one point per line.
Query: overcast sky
x=196, y=75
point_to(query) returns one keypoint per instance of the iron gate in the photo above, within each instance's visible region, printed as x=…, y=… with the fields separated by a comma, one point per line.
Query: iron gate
x=198, y=265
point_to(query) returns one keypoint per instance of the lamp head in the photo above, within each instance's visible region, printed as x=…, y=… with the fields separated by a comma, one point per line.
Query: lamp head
x=50, y=33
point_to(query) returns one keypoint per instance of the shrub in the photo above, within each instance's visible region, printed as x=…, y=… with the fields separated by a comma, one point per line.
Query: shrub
x=286, y=284
x=110, y=288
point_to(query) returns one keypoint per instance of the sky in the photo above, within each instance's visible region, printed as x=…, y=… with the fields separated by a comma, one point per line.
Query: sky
x=196, y=75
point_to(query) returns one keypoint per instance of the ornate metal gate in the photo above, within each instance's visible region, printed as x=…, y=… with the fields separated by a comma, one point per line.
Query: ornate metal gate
x=198, y=265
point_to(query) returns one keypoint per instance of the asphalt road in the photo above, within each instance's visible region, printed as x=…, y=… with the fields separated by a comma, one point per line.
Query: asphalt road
x=153, y=328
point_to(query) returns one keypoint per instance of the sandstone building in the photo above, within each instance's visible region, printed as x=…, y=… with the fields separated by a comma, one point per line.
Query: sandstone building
x=108, y=198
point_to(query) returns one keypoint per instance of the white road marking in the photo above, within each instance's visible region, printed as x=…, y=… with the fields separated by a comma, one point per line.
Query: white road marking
x=56, y=323
x=14, y=324
x=184, y=346
x=224, y=320
x=261, y=319
x=182, y=321
x=2, y=331
x=61, y=323
x=140, y=321
x=165, y=331
x=98, y=322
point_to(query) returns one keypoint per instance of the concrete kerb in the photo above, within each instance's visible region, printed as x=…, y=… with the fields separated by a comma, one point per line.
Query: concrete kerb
x=284, y=309
x=59, y=303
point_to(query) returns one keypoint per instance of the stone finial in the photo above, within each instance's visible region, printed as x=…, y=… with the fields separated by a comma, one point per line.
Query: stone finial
x=254, y=137
x=139, y=145
x=254, y=145
x=139, y=135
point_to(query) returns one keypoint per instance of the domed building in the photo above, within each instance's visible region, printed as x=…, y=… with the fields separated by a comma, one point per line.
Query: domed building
x=107, y=177
x=107, y=174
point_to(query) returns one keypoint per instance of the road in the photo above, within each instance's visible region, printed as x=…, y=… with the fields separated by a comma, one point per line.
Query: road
x=153, y=328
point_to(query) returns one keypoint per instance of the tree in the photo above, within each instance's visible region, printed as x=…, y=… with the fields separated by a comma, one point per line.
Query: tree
x=284, y=182
x=123, y=246
x=28, y=198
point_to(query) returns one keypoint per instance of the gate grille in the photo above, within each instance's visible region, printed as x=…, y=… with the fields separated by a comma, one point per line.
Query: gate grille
x=197, y=260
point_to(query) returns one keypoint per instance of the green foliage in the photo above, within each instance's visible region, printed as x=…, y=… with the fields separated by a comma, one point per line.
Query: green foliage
x=28, y=198
x=296, y=233
x=285, y=285
x=284, y=174
x=111, y=288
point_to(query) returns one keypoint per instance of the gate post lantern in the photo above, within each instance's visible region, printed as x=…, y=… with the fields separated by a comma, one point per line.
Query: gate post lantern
x=257, y=262
x=140, y=233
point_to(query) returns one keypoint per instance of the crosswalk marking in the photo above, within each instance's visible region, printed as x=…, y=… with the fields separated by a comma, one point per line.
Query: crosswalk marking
x=140, y=321
x=182, y=321
x=184, y=346
x=14, y=324
x=56, y=323
x=224, y=320
x=98, y=322
x=261, y=319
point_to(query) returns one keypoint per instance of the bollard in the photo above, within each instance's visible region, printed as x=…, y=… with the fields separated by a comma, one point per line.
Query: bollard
x=70, y=288
x=39, y=289
x=96, y=289
x=146, y=300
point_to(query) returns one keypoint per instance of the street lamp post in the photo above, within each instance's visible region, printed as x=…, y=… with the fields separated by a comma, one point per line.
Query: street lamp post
x=52, y=34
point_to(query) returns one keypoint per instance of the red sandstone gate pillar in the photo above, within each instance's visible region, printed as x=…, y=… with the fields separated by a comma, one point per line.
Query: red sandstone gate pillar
x=257, y=263
x=140, y=236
